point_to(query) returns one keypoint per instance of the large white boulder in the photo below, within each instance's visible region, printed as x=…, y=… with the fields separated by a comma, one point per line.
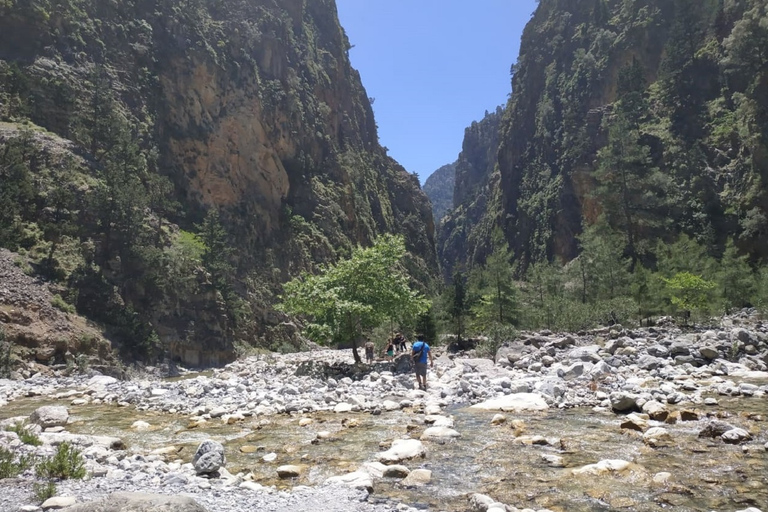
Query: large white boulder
x=402, y=449
x=50, y=416
x=515, y=402
x=356, y=480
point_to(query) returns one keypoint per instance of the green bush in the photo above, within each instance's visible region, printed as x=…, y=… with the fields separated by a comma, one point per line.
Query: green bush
x=66, y=464
x=59, y=303
x=9, y=468
x=6, y=363
x=44, y=491
x=25, y=434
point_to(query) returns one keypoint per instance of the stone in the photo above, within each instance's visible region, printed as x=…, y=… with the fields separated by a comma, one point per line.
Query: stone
x=140, y=426
x=635, y=422
x=417, y=478
x=137, y=502
x=303, y=422
x=556, y=461
x=657, y=437
x=686, y=415
x=736, y=436
x=709, y=352
x=395, y=471
x=715, y=429
x=342, y=408
x=270, y=457
x=50, y=416
x=571, y=372
x=498, y=419
x=288, y=471
x=58, y=502
x=662, y=478
x=356, y=480
x=514, y=402
x=623, y=402
x=439, y=433
x=402, y=449
x=209, y=457
x=603, y=467
x=655, y=410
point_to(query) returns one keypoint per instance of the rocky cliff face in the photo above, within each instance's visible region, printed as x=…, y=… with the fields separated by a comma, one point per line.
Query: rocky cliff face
x=463, y=233
x=439, y=189
x=668, y=98
x=250, y=108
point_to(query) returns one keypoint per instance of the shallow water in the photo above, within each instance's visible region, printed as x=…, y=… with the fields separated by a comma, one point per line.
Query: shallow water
x=707, y=474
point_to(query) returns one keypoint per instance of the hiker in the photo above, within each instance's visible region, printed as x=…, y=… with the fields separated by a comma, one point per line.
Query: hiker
x=401, y=342
x=390, y=349
x=369, y=347
x=419, y=353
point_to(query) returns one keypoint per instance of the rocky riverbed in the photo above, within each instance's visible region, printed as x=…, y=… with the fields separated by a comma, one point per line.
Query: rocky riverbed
x=611, y=419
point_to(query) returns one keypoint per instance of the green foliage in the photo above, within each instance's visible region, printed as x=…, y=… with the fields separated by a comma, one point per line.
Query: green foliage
x=59, y=303
x=493, y=285
x=67, y=463
x=356, y=294
x=689, y=292
x=735, y=280
x=10, y=467
x=25, y=434
x=6, y=360
x=44, y=491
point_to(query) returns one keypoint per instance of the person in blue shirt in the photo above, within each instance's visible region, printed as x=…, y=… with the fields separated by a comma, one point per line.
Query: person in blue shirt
x=420, y=351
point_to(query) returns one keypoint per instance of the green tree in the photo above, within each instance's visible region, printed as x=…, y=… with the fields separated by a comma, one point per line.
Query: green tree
x=601, y=268
x=735, y=280
x=458, y=304
x=690, y=293
x=17, y=192
x=497, y=294
x=355, y=295
x=543, y=295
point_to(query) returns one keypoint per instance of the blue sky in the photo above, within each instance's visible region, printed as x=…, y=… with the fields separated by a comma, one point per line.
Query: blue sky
x=433, y=67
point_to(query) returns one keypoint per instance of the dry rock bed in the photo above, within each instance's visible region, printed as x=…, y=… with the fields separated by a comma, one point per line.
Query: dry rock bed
x=611, y=419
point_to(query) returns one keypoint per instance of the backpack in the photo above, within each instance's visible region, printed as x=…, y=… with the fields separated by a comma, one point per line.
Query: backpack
x=416, y=354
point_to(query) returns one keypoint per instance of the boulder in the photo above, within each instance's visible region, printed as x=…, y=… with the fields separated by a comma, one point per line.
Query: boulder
x=356, y=480
x=655, y=410
x=439, y=433
x=736, y=436
x=396, y=471
x=622, y=401
x=635, y=422
x=58, y=502
x=515, y=402
x=209, y=457
x=137, y=502
x=603, y=467
x=417, y=478
x=288, y=471
x=50, y=416
x=657, y=437
x=402, y=449
x=715, y=429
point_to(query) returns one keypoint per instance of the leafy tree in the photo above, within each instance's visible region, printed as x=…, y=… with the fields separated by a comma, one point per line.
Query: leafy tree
x=356, y=294
x=601, y=268
x=458, y=304
x=690, y=293
x=647, y=291
x=17, y=192
x=543, y=294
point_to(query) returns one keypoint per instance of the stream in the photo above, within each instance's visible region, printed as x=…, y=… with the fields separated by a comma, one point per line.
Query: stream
x=706, y=474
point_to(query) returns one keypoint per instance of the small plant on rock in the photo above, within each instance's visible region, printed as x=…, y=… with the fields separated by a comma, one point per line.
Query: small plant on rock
x=9, y=467
x=25, y=434
x=6, y=363
x=67, y=463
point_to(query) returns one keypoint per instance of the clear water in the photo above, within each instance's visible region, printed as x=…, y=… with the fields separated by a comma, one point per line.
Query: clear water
x=707, y=475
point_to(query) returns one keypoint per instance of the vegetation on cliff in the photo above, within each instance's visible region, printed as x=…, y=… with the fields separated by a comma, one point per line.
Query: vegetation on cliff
x=439, y=189
x=169, y=165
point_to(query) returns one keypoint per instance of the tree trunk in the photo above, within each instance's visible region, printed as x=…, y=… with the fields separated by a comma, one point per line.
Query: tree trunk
x=354, y=351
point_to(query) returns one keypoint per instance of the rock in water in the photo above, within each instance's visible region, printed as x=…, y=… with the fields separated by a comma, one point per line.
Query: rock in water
x=288, y=471
x=136, y=502
x=716, y=429
x=402, y=449
x=736, y=436
x=209, y=457
x=50, y=416
x=417, y=478
x=439, y=433
x=515, y=402
x=356, y=480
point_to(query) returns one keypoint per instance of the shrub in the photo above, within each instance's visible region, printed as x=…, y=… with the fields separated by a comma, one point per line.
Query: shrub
x=44, y=491
x=59, y=303
x=67, y=463
x=25, y=434
x=10, y=468
x=6, y=363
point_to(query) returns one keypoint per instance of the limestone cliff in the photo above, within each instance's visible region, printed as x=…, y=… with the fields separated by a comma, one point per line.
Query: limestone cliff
x=250, y=108
x=668, y=96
